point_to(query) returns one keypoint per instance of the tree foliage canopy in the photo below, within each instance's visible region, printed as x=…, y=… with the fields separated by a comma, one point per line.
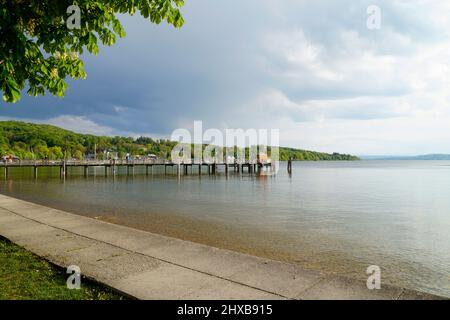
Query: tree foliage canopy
x=39, y=51
x=39, y=141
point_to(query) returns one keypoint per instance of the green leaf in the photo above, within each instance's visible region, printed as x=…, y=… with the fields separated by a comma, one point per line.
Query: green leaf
x=12, y=91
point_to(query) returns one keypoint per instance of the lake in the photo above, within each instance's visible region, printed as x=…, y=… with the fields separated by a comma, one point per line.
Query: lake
x=339, y=217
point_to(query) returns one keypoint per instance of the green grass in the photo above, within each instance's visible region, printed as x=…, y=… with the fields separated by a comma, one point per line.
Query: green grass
x=24, y=275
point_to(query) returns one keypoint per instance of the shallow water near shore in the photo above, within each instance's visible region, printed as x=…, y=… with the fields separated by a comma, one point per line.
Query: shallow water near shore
x=339, y=217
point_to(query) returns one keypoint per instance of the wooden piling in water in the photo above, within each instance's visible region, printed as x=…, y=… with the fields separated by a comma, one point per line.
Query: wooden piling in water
x=62, y=170
x=114, y=167
x=289, y=166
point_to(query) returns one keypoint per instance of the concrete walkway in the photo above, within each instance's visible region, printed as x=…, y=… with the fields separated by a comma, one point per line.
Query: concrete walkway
x=150, y=266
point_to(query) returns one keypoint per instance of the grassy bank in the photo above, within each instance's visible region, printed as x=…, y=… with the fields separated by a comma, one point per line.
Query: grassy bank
x=24, y=275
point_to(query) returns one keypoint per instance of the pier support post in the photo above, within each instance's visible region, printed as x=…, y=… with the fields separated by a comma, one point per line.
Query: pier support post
x=35, y=172
x=289, y=166
x=64, y=169
x=85, y=169
x=106, y=171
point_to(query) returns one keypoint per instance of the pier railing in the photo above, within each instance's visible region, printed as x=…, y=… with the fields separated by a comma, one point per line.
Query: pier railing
x=81, y=163
x=120, y=162
x=112, y=166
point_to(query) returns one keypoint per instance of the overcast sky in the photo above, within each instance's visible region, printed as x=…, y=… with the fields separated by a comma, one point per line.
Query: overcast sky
x=310, y=68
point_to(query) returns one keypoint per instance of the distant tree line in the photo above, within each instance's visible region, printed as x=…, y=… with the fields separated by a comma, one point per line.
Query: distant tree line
x=304, y=155
x=39, y=141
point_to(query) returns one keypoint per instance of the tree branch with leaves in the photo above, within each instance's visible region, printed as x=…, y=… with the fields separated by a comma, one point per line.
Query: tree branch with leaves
x=39, y=52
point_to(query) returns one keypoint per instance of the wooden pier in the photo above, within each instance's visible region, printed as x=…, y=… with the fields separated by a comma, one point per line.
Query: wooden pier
x=111, y=167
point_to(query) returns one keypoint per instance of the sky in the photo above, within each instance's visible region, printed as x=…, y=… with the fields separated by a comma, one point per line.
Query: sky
x=312, y=69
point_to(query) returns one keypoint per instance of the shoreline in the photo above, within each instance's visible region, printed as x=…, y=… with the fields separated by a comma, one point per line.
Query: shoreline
x=150, y=266
x=260, y=242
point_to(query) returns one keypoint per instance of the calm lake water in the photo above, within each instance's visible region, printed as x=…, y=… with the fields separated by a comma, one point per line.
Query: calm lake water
x=338, y=217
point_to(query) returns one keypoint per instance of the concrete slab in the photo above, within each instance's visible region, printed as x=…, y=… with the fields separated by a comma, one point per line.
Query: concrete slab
x=6, y=217
x=57, y=243
x=231, y=291
x=118, y=266
x=415, y=295
x=340, y=288
x=222, y=263
x=129, y=238
x=173, y=282
x=283, y=278
x=191, y=255
x=23, y=228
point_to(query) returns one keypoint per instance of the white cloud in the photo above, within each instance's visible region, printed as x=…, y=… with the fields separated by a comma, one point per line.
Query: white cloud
x=347, y=89
x=119, y=109
x=73, y=123
x=80, y=124
x=420, y=135
x=298, y=56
